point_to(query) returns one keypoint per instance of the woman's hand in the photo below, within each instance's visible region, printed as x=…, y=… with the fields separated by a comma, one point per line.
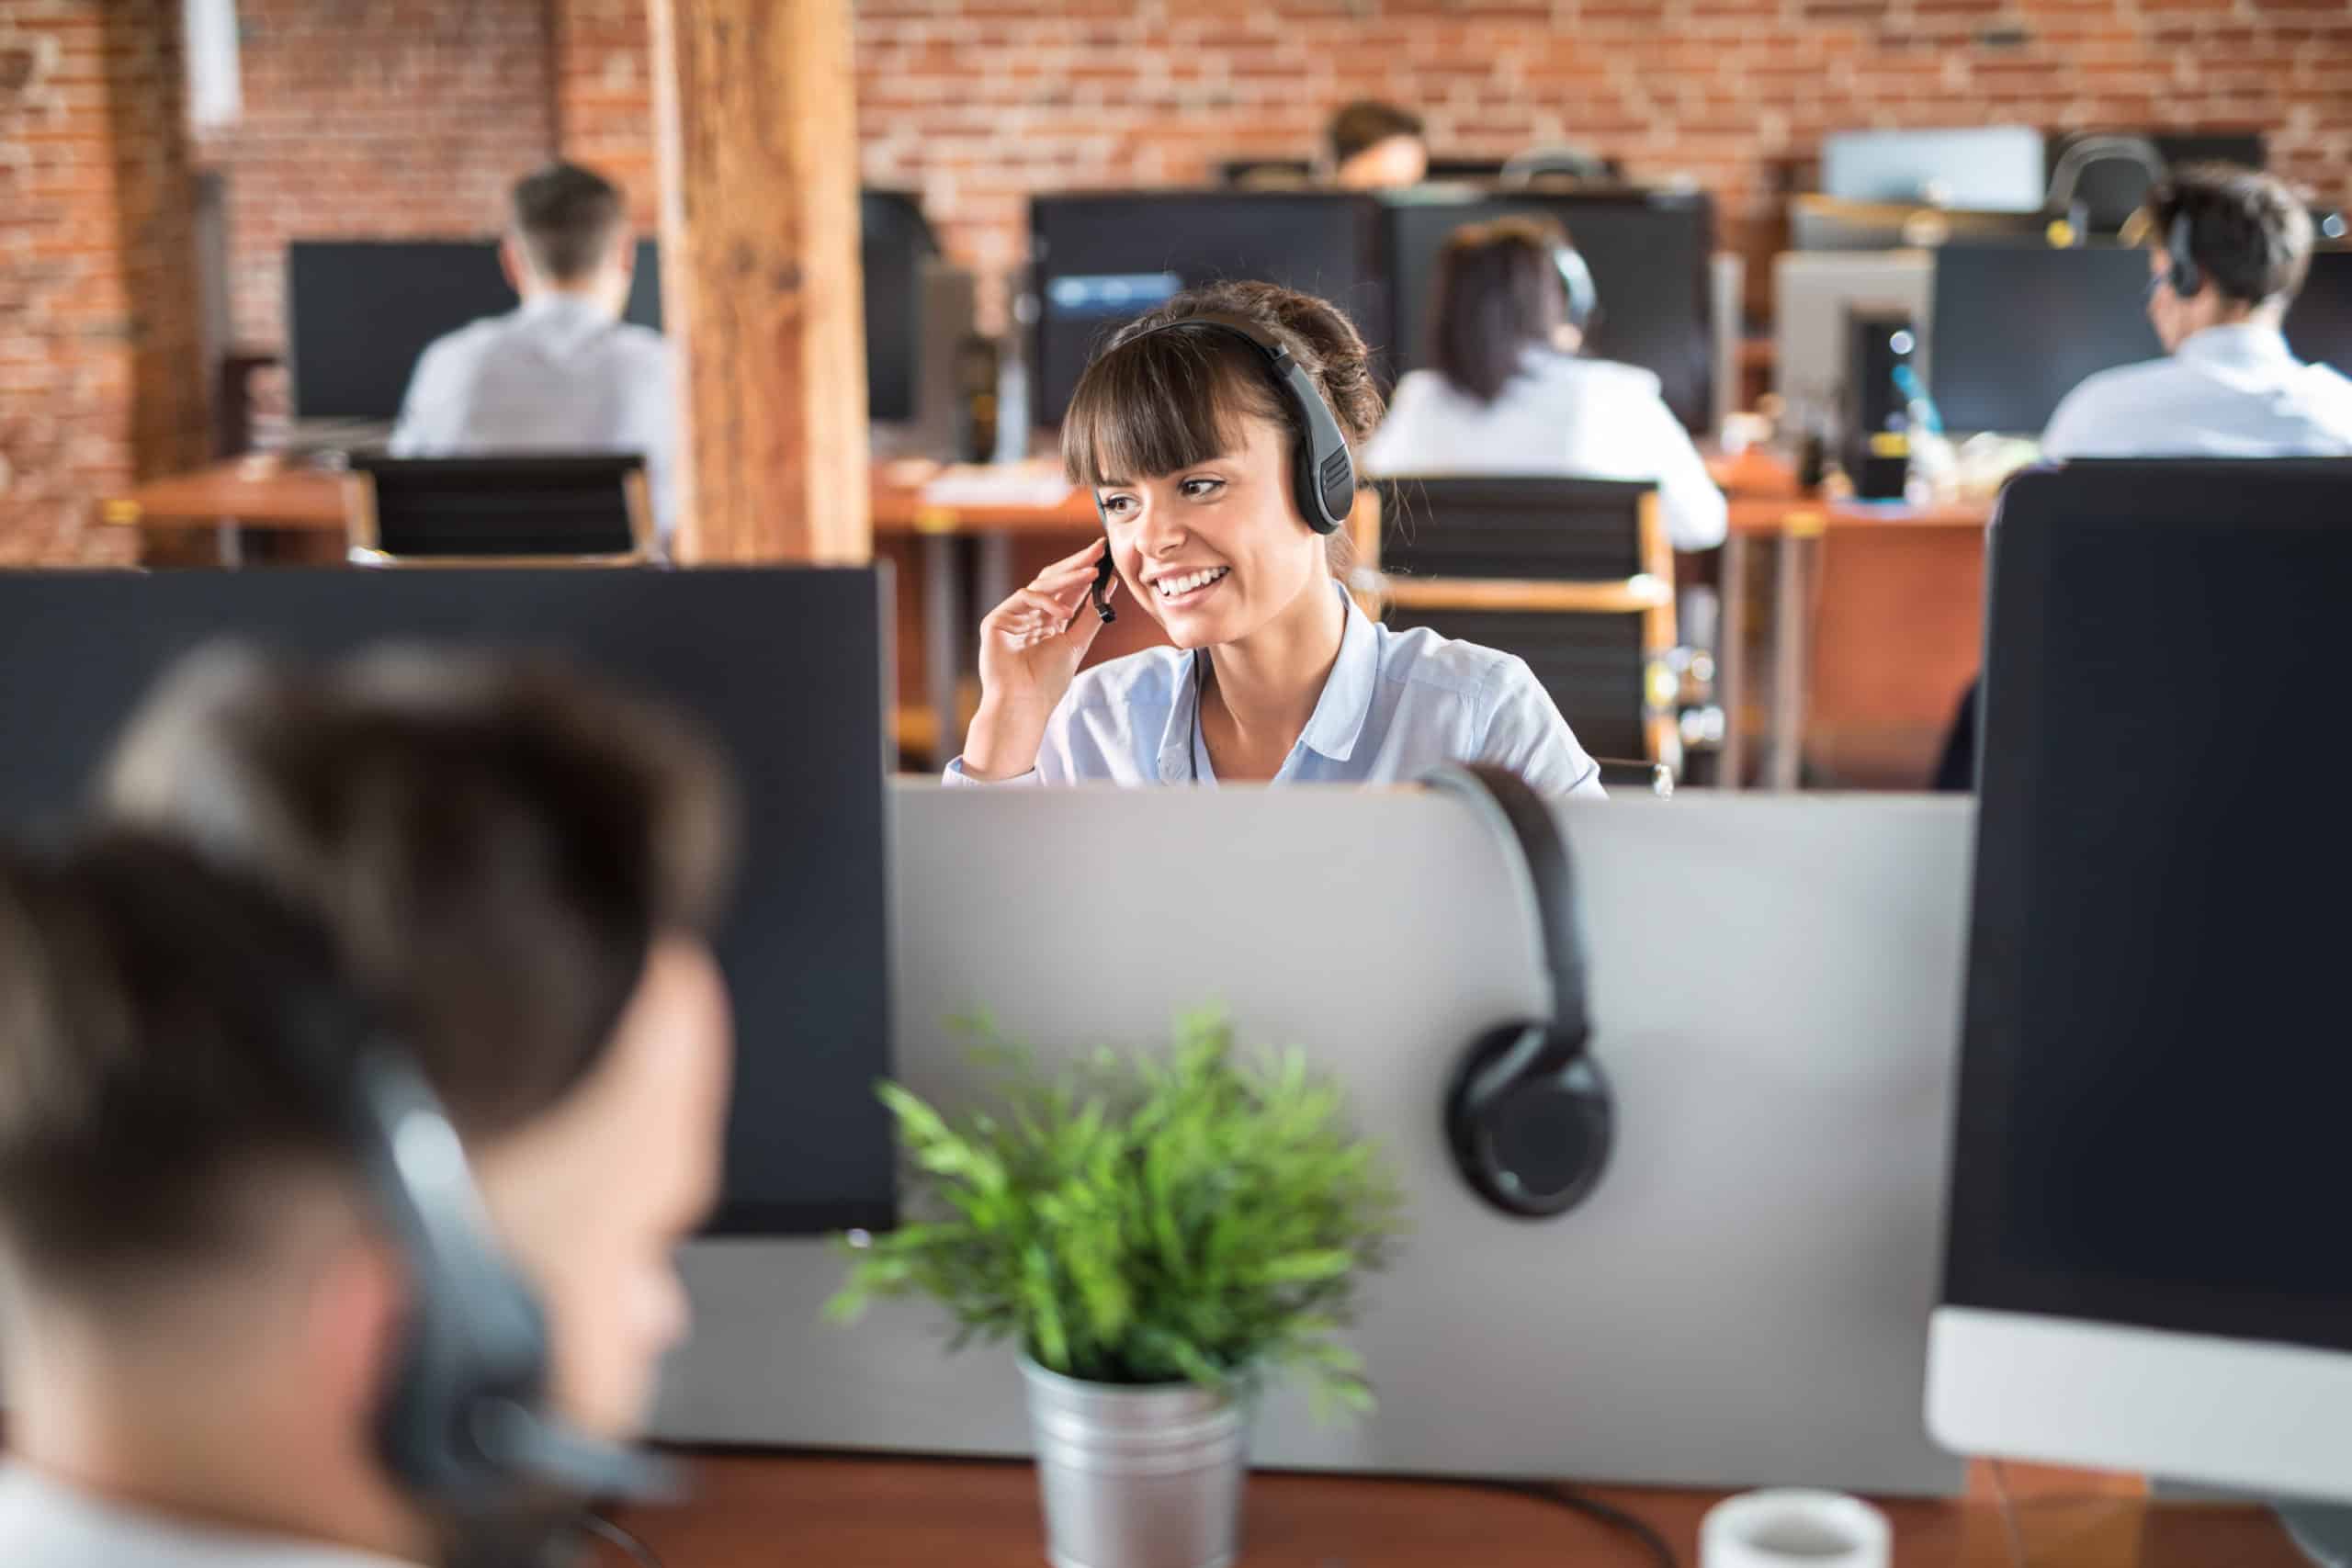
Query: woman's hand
x=1031, y=646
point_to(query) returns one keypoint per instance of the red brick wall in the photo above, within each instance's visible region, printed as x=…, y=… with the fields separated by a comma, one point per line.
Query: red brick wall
x=977, y=103
x=604, y=95
x=368, y=117
x=376, y=118
x=99, y=382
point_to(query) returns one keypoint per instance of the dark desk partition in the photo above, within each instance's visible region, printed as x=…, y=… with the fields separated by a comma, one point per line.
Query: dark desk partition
x=1101, y=260
x=805, y=945
x=1650, y=252
x=2014, y=328
x=358, y=312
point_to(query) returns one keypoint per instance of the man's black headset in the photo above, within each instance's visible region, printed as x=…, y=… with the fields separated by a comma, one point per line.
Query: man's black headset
x=2185, y=276
x=1529, y=1115
x=1323, y=471
x=464, y=1426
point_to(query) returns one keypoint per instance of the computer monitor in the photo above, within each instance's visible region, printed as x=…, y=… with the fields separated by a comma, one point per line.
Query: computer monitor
x=359, y=312
x=1099, y=260
x=2014, y=328
x=2144, y=1263
x=805, y=945
x=2319, y=324
x=1999, y=168
x=1815, y=294
x=894, y=246
x=1650, y=252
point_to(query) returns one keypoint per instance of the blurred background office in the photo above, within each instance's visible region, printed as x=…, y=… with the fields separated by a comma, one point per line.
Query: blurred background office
x=1871, y=248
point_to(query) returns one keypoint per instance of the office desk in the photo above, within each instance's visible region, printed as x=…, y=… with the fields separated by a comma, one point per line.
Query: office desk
x=752, y=1510
x=1906, y=612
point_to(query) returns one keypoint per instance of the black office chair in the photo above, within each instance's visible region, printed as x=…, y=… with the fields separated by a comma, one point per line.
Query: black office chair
x=1575, y=576
x=535, y=511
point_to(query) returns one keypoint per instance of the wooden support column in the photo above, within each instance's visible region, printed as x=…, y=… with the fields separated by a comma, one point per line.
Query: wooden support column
x=760, y=279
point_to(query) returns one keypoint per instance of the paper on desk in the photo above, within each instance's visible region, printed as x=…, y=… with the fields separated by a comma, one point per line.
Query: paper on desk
x=1013, y=484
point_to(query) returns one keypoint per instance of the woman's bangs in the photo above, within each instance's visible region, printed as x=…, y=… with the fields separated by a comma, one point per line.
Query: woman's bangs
x=1157, y=404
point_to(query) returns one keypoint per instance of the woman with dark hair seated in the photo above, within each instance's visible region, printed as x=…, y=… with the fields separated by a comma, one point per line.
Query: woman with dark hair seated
x=1189, y=428
x=1512, y=394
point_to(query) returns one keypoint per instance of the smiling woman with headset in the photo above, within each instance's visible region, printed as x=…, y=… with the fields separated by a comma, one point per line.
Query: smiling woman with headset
x=1512, y=393
x=1216, y=433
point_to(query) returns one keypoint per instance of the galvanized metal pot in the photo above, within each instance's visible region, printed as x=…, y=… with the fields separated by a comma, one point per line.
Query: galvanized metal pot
x=1137, y=1477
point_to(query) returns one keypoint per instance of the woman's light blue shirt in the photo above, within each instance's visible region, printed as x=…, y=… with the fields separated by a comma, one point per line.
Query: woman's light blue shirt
x=1396, y=705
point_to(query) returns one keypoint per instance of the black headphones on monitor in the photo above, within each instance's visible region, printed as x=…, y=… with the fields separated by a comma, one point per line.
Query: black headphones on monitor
x=1529, y=1115
x=1323, y=471
x=464, y=1426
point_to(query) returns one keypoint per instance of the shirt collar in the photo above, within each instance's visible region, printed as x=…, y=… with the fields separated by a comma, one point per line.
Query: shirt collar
x=557, y=302
x=1346, y=703
x=1331, y=730
x=2237, y=342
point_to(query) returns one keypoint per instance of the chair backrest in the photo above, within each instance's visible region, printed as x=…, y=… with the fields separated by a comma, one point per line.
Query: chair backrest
x=537, y=508
x=1539, y=529
x=1574, y=576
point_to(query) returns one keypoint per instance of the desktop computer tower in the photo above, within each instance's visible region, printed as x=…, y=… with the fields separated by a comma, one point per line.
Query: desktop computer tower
x=1877, y=446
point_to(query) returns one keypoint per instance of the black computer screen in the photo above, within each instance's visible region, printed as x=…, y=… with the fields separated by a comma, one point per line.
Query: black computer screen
x=359, y=312
x=1102, y=260
x=1649, y=253
x=805, y=943
x=2014, y=328
x=2154, y=1082
x=894, y=245
x=2319, y=324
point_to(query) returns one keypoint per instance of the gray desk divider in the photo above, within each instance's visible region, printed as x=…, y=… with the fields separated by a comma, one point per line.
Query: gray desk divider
x=1744, y=1302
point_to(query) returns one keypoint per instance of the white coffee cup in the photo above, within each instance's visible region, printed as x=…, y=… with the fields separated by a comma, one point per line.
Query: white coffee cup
x=1793, y=1528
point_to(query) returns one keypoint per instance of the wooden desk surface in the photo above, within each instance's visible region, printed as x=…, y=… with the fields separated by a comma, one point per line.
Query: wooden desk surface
x=1764, y=501
x=752, y=1510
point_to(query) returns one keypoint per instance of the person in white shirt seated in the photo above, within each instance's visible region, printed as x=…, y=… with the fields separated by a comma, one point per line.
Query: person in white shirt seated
x=2228, y=250
x=1216, y=433
x=1512, y=394
x=316, y=902
x=564, y=372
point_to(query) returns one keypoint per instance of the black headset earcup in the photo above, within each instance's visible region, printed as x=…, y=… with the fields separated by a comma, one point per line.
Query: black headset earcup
x=1534, y=1146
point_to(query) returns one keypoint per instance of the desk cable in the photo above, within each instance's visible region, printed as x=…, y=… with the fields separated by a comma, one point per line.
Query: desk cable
x=1563, y=1496
x=612, y=1535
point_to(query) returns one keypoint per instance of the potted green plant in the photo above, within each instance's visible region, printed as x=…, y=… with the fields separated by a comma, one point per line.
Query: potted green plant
x=1157, y=1233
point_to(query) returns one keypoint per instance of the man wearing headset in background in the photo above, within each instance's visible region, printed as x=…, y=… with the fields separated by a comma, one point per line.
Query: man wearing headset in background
x=209, y=1313
x=2228, y=249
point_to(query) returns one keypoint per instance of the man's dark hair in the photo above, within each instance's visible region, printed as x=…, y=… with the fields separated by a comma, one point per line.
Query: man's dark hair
x=481, y=853
x=2245, y=230
x=568, y=218
x=1367, y=123
x=1498, y=294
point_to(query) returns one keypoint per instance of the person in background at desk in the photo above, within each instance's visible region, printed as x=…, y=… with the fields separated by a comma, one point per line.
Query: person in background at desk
x=2228, y=250
x=210, y=1294
x=1185, y=427
x=1377, y=146
x=563, y=373
x=1512, y=395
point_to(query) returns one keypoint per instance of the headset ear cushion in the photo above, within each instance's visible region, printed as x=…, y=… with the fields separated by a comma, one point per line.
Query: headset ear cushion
x=1534, y=1147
